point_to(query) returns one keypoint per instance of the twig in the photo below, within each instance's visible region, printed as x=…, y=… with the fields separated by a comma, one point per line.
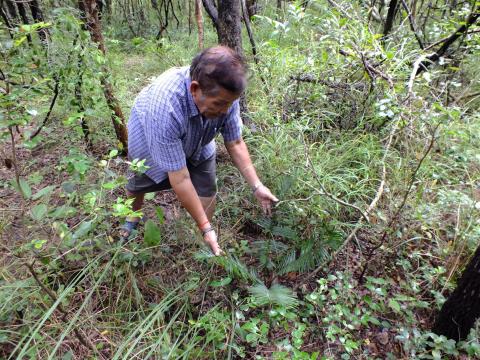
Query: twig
x=446, y=38
x=339, y=8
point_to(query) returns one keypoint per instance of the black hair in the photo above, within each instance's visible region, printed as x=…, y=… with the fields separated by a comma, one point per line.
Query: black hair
x=219, y=66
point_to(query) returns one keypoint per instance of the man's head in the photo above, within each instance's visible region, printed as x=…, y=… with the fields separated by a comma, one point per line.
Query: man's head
x=218, y=77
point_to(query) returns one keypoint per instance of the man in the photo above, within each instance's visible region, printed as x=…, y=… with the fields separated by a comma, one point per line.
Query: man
x=173, y=124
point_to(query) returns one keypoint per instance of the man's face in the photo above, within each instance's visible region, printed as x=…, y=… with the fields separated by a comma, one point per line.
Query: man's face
x=212, y=105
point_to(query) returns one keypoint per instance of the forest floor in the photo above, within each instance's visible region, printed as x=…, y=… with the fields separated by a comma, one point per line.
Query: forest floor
x=210, y=303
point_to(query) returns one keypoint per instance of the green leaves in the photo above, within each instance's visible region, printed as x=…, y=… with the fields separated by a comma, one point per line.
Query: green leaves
x=276, y=295
x=38, y=212
x=222, y=282
x=43, y=192
x=152, y=236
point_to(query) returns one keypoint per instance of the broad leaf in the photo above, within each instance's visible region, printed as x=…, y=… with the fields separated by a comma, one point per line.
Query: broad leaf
x=45, y=191
x=38, y=212
x=222, y=282
x=83, y=230
x=152, y=234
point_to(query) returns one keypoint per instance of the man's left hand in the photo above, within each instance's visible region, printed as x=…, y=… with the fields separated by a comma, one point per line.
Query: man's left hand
x=265, y=198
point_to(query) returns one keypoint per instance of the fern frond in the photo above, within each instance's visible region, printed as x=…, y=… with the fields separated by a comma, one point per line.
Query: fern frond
x=277, y=295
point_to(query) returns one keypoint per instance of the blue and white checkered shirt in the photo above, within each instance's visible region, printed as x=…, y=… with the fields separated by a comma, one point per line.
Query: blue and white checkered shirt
x=166, y=128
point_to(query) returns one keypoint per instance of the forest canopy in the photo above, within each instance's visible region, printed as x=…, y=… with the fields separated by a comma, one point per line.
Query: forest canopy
x=361, y=117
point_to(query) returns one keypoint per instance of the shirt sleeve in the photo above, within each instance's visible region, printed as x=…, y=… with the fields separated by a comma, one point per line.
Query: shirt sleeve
x=165, y=143
x=232, y=128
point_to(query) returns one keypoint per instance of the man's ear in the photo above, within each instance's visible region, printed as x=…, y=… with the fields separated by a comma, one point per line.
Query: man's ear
x=194, y=87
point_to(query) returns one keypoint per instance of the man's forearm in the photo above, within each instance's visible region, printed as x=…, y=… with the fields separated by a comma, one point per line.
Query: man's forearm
x=241, y=159
x=186, y=193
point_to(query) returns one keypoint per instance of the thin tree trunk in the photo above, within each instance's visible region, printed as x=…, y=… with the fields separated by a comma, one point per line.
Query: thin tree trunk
x=392, y=10
x=199, y=19
x=6, y=20
x=89, y=9
x=12, y=11
x=37, y=15
x=413, y=26
x=462, y=308
x=189, y=5
x=24, y=17
x=212, y=12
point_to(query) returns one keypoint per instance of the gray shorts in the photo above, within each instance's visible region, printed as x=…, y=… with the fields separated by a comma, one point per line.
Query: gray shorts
x=203, y=177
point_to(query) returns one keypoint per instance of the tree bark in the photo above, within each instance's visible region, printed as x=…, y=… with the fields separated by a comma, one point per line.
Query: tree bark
x=251, y=7
x=6, y=20
x=461, y=310
x=24, y=18
x=229, y=24
x=392, y=10
x=212, y=12
x=199, y=19
x=90, y=12
x=37, y=15
x=11, y=10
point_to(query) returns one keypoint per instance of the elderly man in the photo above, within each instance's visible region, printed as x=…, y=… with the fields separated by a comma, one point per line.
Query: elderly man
x=173, y=124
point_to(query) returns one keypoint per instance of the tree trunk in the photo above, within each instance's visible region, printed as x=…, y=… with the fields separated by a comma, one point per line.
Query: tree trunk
x=199, y=19
x=37, y=15
x=90, y=12
x=392, y=10
x=212, y=12
x=251, y=7
x=4, y=15
x=461, y=310
x=229, y=24
x=11, y=10
x=24, y=17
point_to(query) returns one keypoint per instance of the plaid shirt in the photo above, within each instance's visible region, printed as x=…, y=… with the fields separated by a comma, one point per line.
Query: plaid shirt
x=166, y=128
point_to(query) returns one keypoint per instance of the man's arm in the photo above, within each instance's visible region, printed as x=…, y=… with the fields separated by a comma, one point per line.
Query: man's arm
x=241, y=159
x=186, y=193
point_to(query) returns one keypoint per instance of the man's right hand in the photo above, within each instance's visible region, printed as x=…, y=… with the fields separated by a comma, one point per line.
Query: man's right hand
x=211, y=239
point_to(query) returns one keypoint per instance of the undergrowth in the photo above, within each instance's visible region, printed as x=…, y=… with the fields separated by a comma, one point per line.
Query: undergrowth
x=317, y=129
